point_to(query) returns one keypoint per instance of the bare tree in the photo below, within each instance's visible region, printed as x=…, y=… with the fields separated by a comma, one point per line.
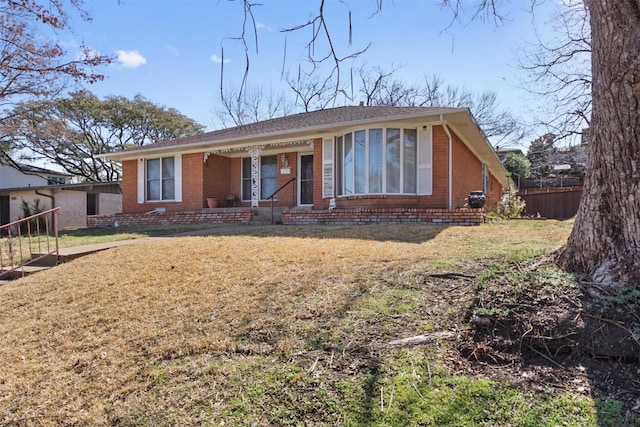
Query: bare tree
x=371, y=81
x=33, y=65
x=378, y=87
x=253, y=104
x=559, y=71
x=321, y=50
x=314, y=92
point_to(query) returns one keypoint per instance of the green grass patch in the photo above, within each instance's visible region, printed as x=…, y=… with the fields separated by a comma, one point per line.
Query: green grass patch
x=413, y=389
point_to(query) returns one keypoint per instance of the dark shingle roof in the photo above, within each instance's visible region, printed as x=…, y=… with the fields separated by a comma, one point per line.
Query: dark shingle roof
x=38, y=170
x=315, y=119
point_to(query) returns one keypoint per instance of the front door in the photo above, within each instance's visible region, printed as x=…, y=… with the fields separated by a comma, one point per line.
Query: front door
x=306, y=179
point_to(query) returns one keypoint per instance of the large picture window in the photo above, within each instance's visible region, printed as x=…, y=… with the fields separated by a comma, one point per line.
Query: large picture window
x=160, y=176
x=381, y=161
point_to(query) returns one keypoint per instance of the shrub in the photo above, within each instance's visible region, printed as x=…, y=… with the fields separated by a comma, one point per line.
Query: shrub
x=511, y=206
x=29, y=210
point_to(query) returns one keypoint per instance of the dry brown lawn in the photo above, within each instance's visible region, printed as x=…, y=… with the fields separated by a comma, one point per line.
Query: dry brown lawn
x=156, y=328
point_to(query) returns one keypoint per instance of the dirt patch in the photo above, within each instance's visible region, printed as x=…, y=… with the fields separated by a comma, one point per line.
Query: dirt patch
x=537, y=327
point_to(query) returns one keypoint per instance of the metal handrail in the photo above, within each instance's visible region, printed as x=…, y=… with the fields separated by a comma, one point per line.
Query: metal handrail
x=14, y=253
x=277, y=191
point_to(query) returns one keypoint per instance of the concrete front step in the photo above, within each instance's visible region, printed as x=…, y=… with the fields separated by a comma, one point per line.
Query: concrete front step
x=262, y=216
x=46, y=260
x=25, y=270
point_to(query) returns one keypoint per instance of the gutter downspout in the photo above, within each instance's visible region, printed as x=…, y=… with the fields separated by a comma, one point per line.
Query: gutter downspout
x=450, y=190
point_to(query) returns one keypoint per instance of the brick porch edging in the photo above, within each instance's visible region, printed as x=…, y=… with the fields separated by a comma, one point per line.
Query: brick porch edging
x=206, y=216
x=383, y=216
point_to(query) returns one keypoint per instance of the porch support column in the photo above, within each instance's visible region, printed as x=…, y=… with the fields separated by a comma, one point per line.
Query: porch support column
x=254, y=152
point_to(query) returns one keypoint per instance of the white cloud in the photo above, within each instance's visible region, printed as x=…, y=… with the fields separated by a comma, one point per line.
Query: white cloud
x=131, y=58
x=260, y=26
x=174, y=50
x=215, y=58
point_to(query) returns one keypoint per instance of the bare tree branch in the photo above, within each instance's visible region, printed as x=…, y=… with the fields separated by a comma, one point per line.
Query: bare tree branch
x=255, y=104
x=560, y=71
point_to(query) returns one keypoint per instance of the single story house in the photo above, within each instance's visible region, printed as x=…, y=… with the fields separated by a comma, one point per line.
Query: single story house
x=346, y=164
x=77, y=202
x=21, y=183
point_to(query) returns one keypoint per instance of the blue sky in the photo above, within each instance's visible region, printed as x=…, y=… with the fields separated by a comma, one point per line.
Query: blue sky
x=169, y=51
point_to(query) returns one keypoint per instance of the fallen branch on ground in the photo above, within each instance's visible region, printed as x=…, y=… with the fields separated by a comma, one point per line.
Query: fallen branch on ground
x=451, y=275
x=422, y=339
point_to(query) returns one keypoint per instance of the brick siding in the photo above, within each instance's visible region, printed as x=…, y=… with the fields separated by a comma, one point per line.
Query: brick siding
x=467, y=173
x=215, y=181
x=440, y=167
x=205, y=216
x=383, y=216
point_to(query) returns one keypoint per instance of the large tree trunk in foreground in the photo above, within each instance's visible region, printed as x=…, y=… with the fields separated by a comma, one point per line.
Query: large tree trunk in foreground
x=605, y=241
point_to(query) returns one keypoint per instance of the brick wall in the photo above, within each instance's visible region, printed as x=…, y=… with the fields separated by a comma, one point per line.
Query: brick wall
x=495, y=193
x=382, y=216
x=440, y=168
x=218, y=216
x=193, y=196
x=129, y=185
x=467, y=177
x=193, y=177
x=288, y=196
x=467, y=173
x=215, y=180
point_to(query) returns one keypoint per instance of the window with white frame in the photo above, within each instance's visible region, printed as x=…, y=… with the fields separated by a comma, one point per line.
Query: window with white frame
x=267, y=177
x=486, y=181
x=383, y=161
x=160, y=177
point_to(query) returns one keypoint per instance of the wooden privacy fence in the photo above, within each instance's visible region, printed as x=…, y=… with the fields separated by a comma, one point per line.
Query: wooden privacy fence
x=545, y=183
x=554, y=203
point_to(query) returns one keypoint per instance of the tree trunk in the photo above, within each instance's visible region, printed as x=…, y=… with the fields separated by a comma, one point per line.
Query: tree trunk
x=605, y=241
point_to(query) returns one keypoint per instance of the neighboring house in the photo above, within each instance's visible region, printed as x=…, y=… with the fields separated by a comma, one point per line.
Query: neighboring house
x=21, y=175
x=502, y=152
x=26, y=183
x=570, y=160
x=373, y=159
